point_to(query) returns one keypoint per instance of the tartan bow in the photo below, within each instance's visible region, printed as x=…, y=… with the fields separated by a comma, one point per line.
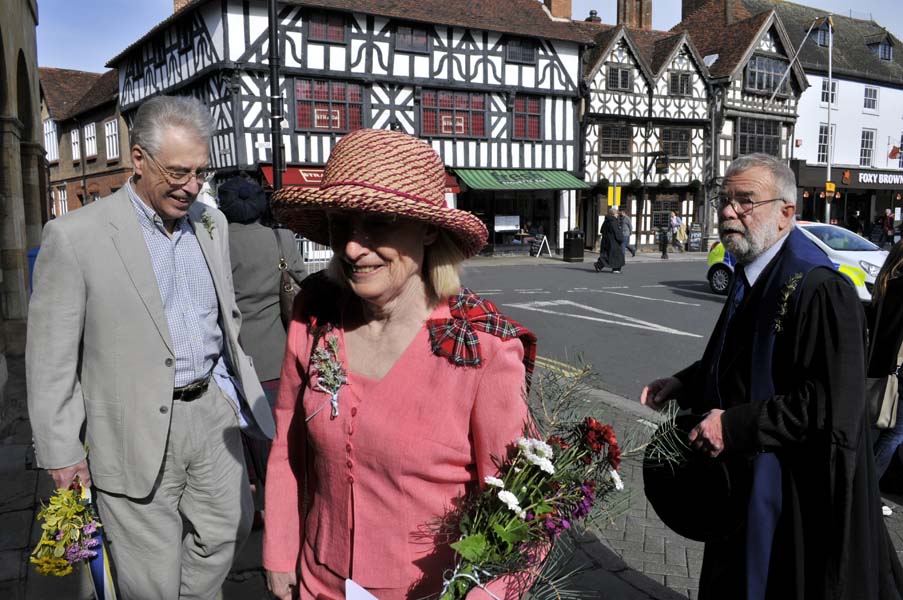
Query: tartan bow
x=456, y=338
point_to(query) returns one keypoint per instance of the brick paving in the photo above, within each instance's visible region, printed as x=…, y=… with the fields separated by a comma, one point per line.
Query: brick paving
x=632, y=557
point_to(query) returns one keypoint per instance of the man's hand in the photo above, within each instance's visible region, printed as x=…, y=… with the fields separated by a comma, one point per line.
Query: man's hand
x=65, y=476
x=657, y=394
x=706, y=436
x=282, y=585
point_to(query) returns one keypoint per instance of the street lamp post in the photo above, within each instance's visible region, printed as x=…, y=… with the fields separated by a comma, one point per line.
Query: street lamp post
x=275, y=97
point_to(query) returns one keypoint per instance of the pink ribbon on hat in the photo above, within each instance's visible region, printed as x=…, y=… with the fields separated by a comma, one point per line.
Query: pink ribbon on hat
x=380, y=188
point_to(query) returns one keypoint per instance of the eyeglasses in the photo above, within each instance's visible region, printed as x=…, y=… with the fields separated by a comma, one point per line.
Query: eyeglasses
x=742, y=205
x=371, y=227
x=181, y=177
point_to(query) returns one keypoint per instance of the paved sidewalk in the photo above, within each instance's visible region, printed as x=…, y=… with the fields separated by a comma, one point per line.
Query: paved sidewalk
x=635, y=557
x=589, y=257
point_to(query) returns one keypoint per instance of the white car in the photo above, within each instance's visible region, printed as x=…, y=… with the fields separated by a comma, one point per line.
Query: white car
x=854, y=256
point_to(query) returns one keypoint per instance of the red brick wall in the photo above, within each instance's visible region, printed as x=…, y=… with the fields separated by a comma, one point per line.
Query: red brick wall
x=104, y=185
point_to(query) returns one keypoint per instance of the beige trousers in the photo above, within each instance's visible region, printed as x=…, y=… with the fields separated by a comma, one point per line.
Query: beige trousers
x=204, y=481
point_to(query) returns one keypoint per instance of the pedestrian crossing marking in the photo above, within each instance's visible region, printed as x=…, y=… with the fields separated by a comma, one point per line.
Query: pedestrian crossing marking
x=653, y=299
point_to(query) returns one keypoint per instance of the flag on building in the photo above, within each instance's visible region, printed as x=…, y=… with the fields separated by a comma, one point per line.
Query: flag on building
x=894, y=152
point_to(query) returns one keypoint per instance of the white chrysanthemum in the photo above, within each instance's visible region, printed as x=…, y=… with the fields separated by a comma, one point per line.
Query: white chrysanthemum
x=546, y=465
x=616, y=479
x=524, y=444
x=494, y=481
x=510, y=500
x=521, y=514
x=542, y=449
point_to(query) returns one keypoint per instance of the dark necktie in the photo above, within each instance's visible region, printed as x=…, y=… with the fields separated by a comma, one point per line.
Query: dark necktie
x=738, y=290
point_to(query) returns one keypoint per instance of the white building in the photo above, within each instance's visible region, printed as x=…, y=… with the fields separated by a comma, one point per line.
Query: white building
x=866, y=99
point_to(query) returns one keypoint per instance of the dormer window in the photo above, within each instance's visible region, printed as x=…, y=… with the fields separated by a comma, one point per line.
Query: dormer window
x=764, y=73
x=881, y=44
x=885, y=51
x=520, y=51
x=820, y=36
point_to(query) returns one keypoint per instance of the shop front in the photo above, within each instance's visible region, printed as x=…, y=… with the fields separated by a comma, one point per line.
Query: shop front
x=866, y=191
x=518, y=205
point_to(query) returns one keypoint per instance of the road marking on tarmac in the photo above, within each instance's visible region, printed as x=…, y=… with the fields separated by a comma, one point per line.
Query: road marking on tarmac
x=556, y=366
x=618, y=319
x=653, y=299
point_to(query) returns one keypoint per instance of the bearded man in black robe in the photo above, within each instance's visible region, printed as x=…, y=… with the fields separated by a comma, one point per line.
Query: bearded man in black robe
x=781, y=385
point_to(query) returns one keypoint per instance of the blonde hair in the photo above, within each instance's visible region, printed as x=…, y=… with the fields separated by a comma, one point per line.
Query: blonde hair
x=441, y=270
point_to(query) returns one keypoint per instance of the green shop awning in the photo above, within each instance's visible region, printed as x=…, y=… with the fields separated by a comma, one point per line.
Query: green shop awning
x=519, y=179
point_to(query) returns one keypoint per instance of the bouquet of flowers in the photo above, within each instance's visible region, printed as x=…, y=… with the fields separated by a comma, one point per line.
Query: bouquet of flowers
x=70, y=532
x=543, y=489
x=70, y=535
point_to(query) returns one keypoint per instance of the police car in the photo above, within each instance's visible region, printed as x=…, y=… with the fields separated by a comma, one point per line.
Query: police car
x=854, y=256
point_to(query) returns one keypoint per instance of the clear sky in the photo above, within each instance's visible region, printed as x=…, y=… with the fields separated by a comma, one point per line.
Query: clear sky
x=85, y=34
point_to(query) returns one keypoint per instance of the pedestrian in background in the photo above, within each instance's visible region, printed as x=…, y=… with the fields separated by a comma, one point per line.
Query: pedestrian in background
x=676, y=226
x=780, y=391
x=626, y=224
x=256, y=251
x=133, y=340
x=611, y=253
x=399, y=388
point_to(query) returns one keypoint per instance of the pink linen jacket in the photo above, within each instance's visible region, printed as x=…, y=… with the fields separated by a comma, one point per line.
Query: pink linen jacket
x=396, y=457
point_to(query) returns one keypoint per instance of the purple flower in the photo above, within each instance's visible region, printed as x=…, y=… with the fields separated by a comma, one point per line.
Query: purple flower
x=91, y=543
x=90, y=528
x=565, y=523
x=59, y=536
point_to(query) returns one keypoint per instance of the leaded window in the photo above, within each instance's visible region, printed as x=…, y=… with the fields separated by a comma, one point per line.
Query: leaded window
x=828, y=97
x=51, y=144
x=90, y=140
x=409, y=38
x=454, y=114
x=111, y=136
x=764, y=73
x=527, y=117
x=327, y=28
x=618, y=78
x=676, y=142
x=520, y=51
x=758, y=135
x=679, y=84
x=76, y=144
x=615, y=140
x=328, y=105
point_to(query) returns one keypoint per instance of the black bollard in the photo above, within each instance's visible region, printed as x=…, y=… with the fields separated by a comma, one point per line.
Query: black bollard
x=663, y=241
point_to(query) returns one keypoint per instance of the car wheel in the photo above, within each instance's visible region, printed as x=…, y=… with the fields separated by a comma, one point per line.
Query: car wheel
x=720, y=279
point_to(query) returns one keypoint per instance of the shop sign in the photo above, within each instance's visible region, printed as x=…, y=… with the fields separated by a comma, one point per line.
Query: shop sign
x=871, y=178
x=517, y=177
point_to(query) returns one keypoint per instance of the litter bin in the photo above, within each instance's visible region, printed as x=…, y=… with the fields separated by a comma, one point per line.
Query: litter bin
x=32, y=255
x=573, y=246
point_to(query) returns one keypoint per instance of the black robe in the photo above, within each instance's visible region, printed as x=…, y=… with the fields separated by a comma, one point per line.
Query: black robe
x=830, y=540
x=611, y=254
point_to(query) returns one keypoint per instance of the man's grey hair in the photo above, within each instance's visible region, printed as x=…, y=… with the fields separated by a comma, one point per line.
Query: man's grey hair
x=613, y=211
x=162, y=112
x=781, y=176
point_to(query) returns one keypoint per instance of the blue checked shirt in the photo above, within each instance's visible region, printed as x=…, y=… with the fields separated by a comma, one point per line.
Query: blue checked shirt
x=186, y=288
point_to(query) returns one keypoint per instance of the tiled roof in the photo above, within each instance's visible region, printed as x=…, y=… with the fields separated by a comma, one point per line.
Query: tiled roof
x=712, y=35
x=851, y=53
x=104, y=90
x=519, y=17
x=653, y=47
x=63, y=88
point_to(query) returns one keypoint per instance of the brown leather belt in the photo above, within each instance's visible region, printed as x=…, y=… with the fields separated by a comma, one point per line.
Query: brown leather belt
x=192, y=391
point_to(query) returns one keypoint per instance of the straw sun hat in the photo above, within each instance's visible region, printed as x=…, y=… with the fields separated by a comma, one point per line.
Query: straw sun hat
x=382, y=172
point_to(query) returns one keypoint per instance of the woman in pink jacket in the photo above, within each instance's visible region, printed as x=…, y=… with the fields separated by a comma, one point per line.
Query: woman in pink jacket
x=398, y=386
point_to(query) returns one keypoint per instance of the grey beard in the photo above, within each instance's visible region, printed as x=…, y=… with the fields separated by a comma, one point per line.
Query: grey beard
x=747, y=248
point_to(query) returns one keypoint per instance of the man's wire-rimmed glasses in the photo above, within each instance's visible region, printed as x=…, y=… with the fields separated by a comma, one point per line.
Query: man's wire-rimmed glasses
x=180, y=177
x=742, y=205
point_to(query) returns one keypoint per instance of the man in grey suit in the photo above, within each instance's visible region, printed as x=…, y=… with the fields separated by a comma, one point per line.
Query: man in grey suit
x=136, y=381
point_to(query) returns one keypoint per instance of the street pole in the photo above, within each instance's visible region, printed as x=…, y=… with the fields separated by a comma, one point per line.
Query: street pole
x=275, y=97
x=829, y=193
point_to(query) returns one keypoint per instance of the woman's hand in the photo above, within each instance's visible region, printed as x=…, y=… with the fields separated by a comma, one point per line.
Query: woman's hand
x=282, y=585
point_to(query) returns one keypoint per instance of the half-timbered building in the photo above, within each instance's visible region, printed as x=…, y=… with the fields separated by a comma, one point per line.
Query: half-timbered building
x=646, y=122
x=492, y=86
x=755, y=86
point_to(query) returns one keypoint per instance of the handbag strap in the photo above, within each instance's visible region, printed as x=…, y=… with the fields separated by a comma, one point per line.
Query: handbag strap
x=283, y=263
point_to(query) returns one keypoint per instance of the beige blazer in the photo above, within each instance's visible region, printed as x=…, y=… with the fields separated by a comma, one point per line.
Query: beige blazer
x=99, y=353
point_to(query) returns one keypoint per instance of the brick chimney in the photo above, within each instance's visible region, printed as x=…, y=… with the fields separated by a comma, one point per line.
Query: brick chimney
x=593, y=17
x=635, y=14
x=688, y=7
x=560, y=9
x=178, y=5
